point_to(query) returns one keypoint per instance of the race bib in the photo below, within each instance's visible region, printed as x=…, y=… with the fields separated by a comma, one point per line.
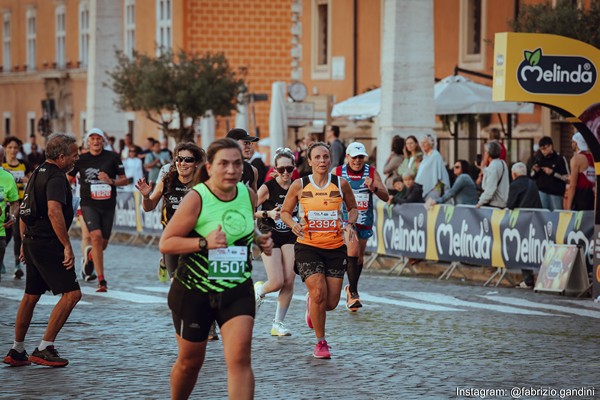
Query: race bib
x=281, y=226
x=100, y=191
x=362, y=201
x=228, y=263
x=322, y=221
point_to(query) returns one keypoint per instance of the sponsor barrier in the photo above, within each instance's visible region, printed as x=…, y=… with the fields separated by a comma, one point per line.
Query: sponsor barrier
x=510, y=239
x=131, y=218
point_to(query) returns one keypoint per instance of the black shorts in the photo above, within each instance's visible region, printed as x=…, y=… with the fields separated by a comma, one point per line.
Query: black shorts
x=314, y=260
x=98, y=218
x=194, y=312
x=44, y=265
x=281, y=238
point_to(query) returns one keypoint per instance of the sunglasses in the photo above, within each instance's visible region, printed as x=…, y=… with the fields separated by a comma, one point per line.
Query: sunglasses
x=360, y=157
x=456, y=166
x=189, y=160
x=288, y=169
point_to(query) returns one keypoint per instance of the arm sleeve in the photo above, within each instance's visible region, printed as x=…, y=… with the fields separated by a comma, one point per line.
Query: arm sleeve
x=458, y=186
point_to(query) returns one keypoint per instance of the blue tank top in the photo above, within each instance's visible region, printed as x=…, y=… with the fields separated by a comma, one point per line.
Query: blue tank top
x=363, y=196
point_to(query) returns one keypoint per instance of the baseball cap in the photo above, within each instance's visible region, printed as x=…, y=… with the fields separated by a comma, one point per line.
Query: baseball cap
x=545, y=140
x=96, y=131
x=356, y=149
x=581, y=144
x=241, y=134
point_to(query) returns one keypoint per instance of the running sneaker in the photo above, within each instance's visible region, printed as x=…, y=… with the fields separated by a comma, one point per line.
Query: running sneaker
x=322, y=350
x=102, y=286
x=259, y=299
x=163, y=274
x=48, y=357
x=16, y=359
x=307, y=313
x=18, y=272
x=352, y=300
x=212, y=332
x=279, y=329
x=87, y=265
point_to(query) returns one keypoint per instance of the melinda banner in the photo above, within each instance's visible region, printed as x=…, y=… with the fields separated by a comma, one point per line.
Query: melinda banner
x=512, y=239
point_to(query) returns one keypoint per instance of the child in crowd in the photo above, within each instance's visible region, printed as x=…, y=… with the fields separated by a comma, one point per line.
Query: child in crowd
x=399, y=190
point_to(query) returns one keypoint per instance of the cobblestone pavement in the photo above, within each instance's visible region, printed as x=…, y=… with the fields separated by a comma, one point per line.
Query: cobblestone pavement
x=414, y=338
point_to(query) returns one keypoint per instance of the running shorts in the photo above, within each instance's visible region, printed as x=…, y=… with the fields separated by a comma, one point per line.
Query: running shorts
x=98, y=218
x=314, y=260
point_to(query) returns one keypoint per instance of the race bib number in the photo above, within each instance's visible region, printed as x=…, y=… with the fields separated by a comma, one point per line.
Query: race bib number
x=362, y=201
x=100, y=191
x=281, y=226
x=228, y=263
x=322, y=221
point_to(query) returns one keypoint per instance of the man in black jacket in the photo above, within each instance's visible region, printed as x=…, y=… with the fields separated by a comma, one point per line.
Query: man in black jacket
x=523, y=193
x=550, y=172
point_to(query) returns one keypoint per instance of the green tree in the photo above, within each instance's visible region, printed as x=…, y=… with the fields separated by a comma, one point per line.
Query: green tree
x=182, y=87
x=566, y=19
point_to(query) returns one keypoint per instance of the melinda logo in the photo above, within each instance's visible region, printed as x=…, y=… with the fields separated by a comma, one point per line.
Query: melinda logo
x=539, y=73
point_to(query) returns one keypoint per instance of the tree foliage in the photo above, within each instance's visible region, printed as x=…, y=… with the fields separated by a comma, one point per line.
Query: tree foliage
x=566, y=19
x=170, y=88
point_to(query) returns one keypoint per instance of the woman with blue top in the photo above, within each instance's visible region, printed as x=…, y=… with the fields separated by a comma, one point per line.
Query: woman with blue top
x=463, y=191
x=213, y=228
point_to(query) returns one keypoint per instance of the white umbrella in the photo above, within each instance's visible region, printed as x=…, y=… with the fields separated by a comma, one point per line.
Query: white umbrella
x=278, y=116
x=454, y=94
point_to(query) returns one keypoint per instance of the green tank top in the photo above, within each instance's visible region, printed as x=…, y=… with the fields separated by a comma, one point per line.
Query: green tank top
x=221, y=269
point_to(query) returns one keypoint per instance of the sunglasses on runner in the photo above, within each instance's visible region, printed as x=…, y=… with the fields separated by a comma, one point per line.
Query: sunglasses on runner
x=189, y=160
x=288, y=169
x=360, y=157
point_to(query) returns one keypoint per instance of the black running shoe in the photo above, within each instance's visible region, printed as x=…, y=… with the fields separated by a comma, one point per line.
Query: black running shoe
x=16, y=359
x=19, y=273
x=87, y=267
x=102, y=286
x=48, y=357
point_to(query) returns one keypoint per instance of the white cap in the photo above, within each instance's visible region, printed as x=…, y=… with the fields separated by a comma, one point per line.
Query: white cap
x=96, y=131
x=356, y=149
x=581, y=144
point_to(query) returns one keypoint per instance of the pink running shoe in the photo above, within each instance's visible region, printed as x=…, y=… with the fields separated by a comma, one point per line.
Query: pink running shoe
x=322, y=350
x=307, y=313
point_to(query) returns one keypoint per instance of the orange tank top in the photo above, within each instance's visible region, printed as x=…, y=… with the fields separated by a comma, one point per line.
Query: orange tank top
x=320, y=213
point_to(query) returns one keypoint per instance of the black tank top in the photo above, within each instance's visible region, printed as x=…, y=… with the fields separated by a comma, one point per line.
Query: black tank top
x=276, y=197
x=171, y=199
x=247, y=174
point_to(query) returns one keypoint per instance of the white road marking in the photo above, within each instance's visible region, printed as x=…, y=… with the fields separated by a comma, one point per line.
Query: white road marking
x=526, y=303
x=453, y=301
x=368, y=300
x=126, y=296
x=157, y=289
x=47, y=299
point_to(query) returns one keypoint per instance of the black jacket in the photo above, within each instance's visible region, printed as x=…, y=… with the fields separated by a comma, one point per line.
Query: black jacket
x=550, y=184
x=523, y=193
x=414, y=194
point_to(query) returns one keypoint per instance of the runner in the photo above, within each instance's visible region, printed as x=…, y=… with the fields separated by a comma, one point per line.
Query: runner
x=20, y=171
x=182, y=175
x=48, y=253
x=280, y=264
x=250, y=174
x=214, y=228
x=320, y=252
x=364, y=181
x=101, y=171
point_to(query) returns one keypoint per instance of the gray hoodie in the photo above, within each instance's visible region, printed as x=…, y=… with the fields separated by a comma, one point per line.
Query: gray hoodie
x=495, y=185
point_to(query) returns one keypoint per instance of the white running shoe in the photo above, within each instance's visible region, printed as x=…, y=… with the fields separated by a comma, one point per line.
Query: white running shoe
x=279, y=329
x=259, y=299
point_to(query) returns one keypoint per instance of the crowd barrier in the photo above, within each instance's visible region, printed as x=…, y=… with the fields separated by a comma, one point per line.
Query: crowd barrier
x=504, y=239
x=131, y=218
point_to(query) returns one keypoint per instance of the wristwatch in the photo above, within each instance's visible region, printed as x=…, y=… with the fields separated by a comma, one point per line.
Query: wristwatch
x=202, y=243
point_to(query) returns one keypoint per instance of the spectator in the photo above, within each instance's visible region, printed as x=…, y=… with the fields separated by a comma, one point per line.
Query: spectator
x=493, y=136
x=390, y=169
x=463, y=191
x=134, y=170
x=495, y=179
x=399, y=189
x=303, y=166
x=164, y=149
x=580, y=190
x=35, y=157
x=27, y=147
x=337, y=148
x=147, y=149
x=412, y=156
x=432, y=174
x=414, y=191
x=523, y=193
x=550, y=172
x=154, y=162
x=129, y=144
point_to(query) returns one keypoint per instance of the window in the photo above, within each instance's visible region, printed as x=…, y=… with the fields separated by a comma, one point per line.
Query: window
x=84, y=33
x=472, y=27
x=83, y=123
x=31, y=38
x=6, y=124
x=129, y=27
x=61, y=34
x=164, y=24
x=30, y=123
x=6, y=43
x=321, y=39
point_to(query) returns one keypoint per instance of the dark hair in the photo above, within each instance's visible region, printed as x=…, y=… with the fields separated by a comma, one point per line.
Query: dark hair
x=283, y=152
x=397, y=179
x=313, y=145
x=464, y=166
x=494, y=134
x=417, y=149
x=213, y=149
x=545, y=140
x=172, y=175
x=10, y=139
x=58, y=143
x=493, y=149
x=336, y=130
x=397, y=144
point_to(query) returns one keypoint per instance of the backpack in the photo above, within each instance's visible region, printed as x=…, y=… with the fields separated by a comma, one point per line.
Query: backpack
x=28, y=209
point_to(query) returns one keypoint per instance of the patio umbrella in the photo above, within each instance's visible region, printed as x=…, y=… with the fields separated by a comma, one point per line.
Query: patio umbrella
x=277, y=116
